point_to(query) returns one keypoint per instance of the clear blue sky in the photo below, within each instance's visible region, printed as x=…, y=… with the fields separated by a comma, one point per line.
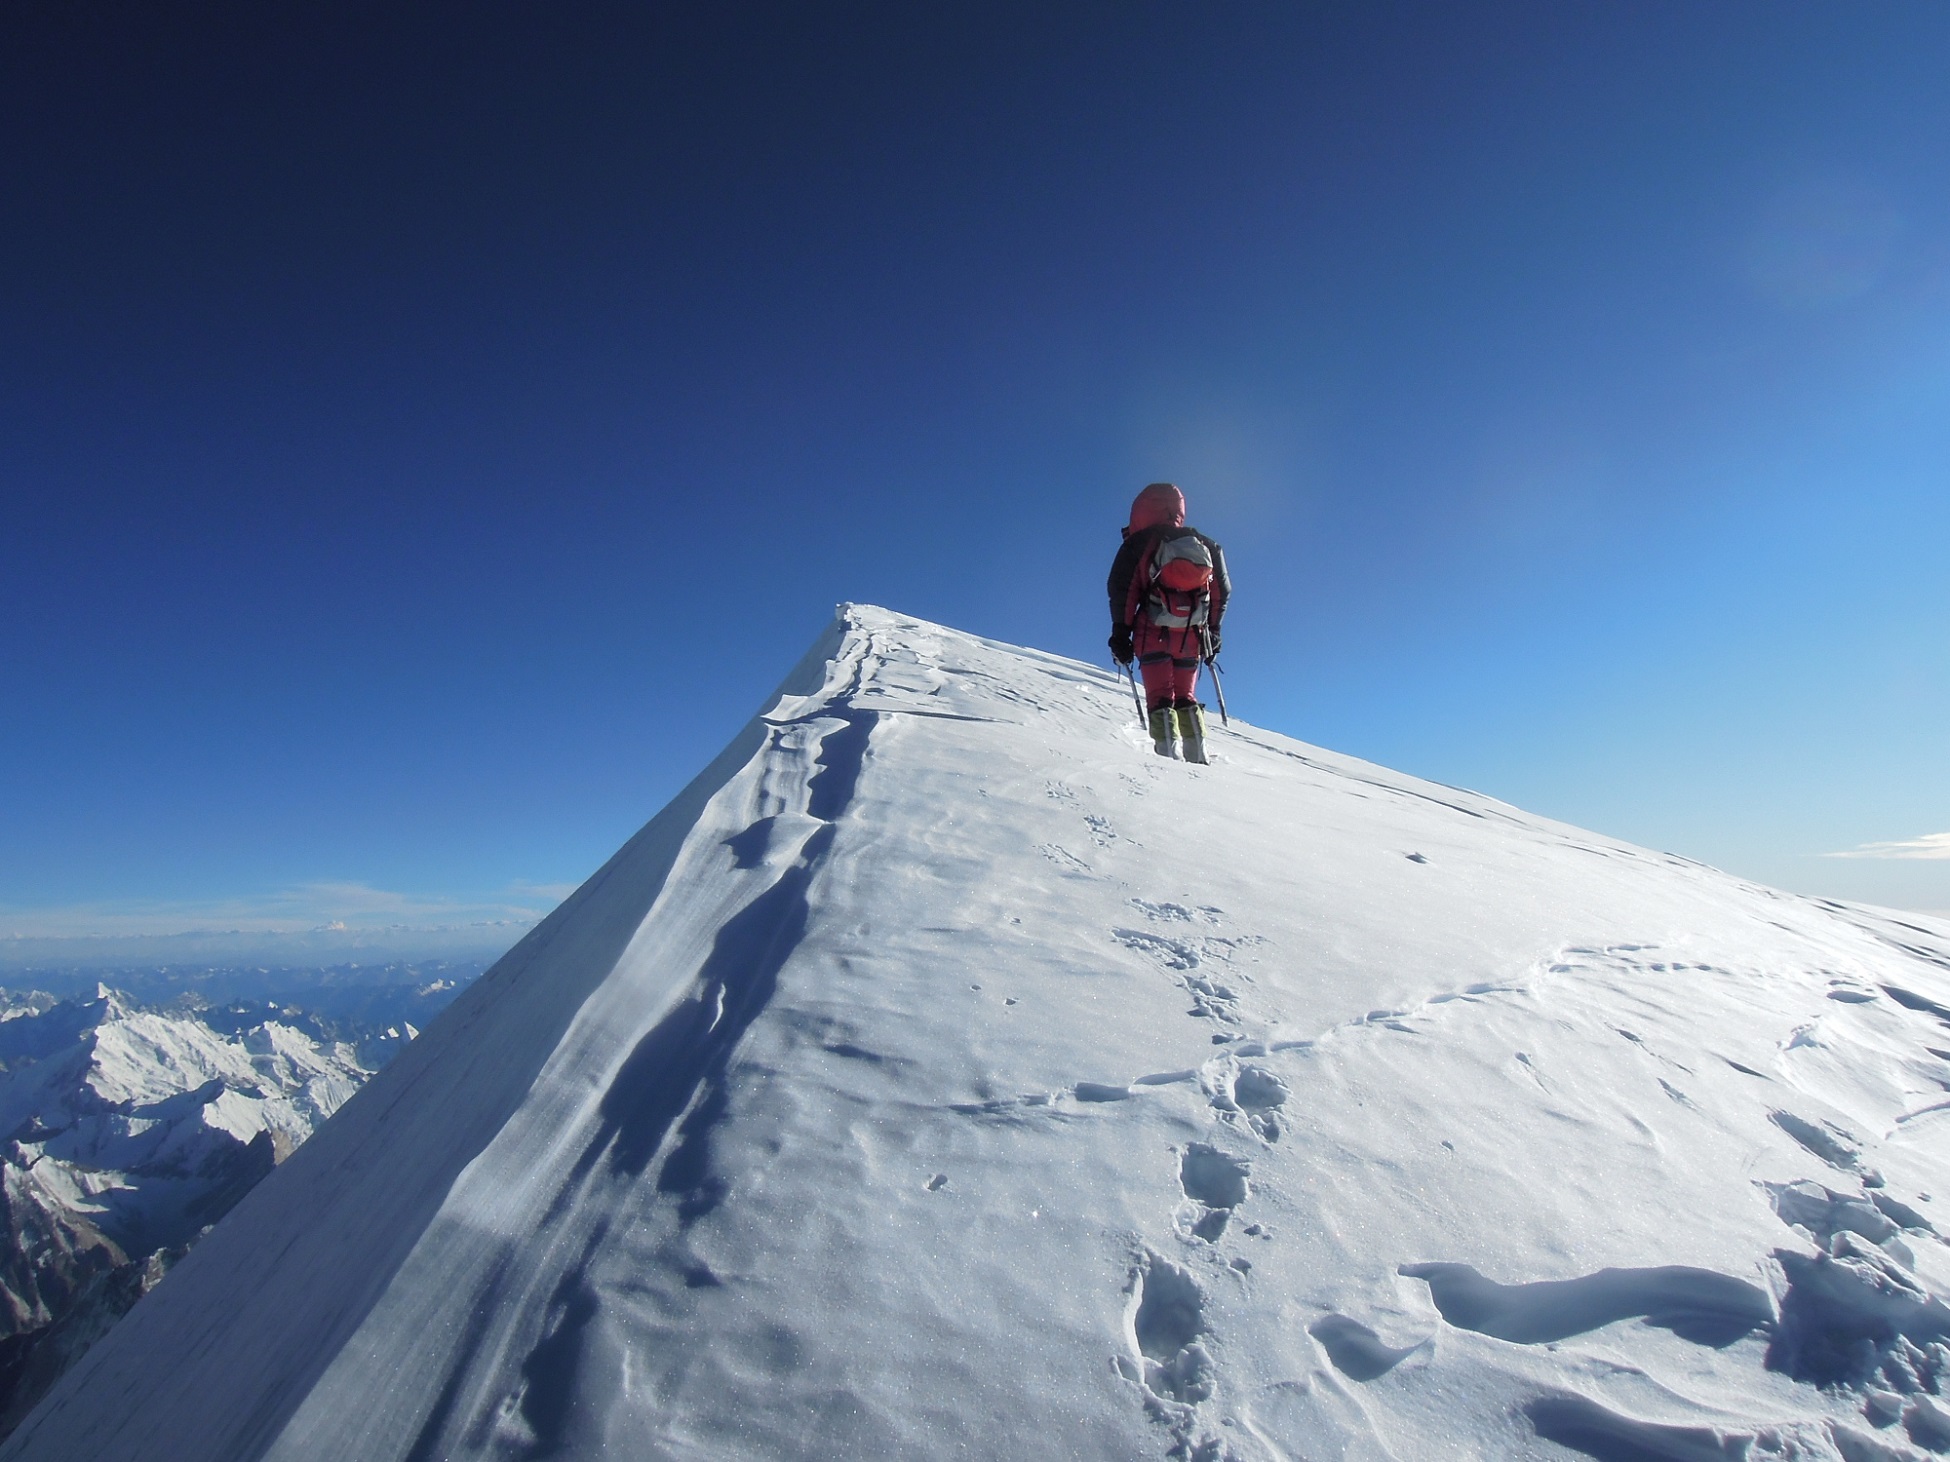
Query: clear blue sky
x=428, y=430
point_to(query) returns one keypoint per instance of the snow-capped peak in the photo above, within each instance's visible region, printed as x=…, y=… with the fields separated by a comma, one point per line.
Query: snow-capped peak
x=942, y=1074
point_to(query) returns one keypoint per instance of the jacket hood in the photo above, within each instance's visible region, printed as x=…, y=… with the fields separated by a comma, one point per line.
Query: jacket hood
x=1159, y=504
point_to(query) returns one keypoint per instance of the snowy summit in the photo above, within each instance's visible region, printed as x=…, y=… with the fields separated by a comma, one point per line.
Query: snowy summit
x=942, y=1074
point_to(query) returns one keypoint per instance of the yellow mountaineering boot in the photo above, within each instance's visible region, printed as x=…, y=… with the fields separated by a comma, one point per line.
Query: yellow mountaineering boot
x=1191, y=731
x=1164, y=732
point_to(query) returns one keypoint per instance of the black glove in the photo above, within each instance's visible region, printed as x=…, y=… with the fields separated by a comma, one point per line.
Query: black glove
x=1212, y=643
x=1120, y=645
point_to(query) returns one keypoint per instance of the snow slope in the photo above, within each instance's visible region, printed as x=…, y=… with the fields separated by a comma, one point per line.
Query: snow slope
x=942, y=1074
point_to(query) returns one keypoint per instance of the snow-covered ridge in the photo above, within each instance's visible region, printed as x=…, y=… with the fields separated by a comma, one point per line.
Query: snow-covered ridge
x=942, y=1074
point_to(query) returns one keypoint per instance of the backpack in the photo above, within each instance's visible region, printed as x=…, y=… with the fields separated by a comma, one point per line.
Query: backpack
x=1179, y=591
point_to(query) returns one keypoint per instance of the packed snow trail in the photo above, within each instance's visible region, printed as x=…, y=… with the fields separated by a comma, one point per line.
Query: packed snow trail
x=943, y=1074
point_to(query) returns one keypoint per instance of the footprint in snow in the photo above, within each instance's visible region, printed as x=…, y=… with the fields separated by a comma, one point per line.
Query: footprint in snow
x=1165, y=1324
x=1169, y=913
x=1167, y=1360
x=1215, y=1183
x=1211, y=1000
x=1259, y=1093
x=1176, y=954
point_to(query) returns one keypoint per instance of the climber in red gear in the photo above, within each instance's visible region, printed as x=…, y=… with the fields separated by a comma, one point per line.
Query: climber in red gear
x=1168, y=591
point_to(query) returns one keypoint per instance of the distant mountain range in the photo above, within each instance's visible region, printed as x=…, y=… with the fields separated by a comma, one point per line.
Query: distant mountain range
x=133, y=1119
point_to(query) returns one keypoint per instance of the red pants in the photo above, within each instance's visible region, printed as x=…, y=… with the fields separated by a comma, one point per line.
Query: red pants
x=1167, y=682
x=1168, y=659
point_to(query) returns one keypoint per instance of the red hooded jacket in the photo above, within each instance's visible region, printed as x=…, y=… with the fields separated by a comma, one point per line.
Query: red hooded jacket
x=1158, y=511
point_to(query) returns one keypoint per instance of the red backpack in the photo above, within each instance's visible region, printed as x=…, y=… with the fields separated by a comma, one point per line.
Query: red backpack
x=1178, y=579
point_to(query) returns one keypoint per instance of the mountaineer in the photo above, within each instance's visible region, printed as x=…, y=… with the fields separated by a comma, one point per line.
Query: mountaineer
x=1168, y=592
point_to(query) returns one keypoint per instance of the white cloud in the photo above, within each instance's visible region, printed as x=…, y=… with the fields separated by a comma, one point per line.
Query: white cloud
x=319, y=923
x=303, y=908
x=1929, y=846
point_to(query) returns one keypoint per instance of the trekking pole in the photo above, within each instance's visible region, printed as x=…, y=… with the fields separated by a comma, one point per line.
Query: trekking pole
x=1205, y=643
x=1136, y=699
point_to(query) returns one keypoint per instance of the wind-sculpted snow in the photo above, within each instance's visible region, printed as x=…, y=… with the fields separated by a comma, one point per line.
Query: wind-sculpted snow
x=945, y=1075
x=1704, y=1307
x=1581, y=1424
x=1356, y=1351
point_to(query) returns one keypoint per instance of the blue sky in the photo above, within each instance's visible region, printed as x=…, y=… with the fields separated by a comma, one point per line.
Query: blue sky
x=426, y=432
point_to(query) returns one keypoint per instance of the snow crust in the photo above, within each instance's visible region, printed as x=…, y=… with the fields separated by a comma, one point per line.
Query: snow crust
x=942, y=1074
